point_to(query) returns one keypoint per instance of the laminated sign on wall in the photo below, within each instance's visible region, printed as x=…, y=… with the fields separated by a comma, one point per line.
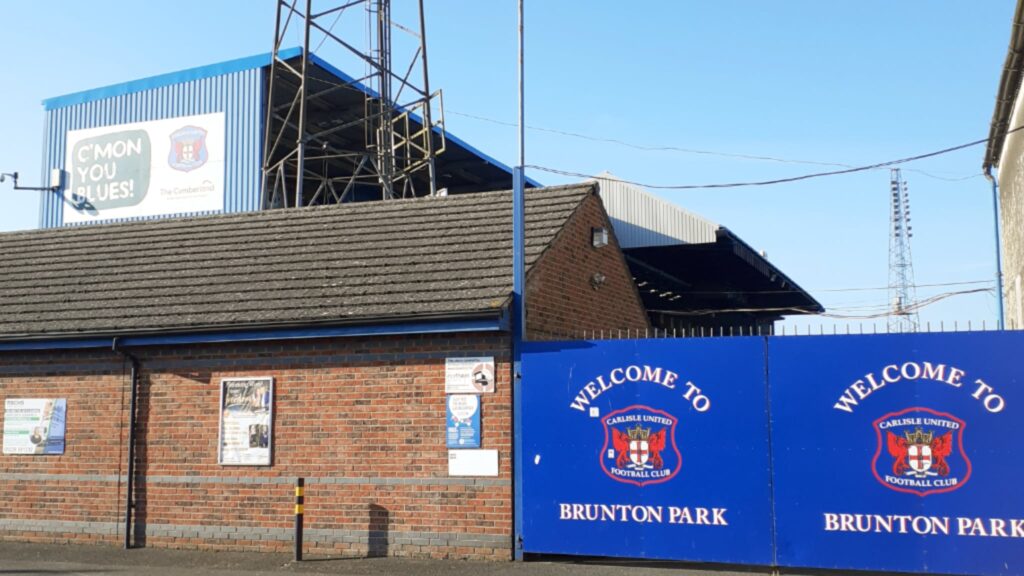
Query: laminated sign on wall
x=463, y=421
x=34, y=425
x=246, y=419
x=469, y=375
x=154, y=168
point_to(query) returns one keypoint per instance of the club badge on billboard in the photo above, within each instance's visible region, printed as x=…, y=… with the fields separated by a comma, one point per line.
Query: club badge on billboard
x=188, y=149
x=920, y=451
x=640, y=446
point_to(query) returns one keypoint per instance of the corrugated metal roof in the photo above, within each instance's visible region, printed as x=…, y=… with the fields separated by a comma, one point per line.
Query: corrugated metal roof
x=641, y=219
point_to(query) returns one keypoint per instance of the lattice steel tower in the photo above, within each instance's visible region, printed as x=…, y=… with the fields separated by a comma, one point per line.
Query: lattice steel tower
x=309, y=138
x=903, y=315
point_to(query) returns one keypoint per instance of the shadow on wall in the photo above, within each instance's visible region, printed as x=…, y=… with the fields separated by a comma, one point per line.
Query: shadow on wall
x=378, y=532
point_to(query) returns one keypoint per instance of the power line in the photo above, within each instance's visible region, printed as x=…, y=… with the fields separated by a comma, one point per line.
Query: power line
x=847, y=168
x=964, y=283
x=652, y=148
x=800, y=310
x=780, y=180
x=775, y=181
x=857, y=289
x=913, y=307
x=644, y=147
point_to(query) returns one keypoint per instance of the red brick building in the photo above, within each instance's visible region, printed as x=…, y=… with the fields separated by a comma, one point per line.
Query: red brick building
x=351, y=309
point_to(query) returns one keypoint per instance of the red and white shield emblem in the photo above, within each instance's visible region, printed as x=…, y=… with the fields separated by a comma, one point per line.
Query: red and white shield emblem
x=639, y=452
x=919, y=456
x=920, y=451
x=640, y=446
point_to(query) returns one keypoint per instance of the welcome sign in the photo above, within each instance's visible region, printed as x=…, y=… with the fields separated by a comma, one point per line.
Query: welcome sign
x=899, y=452
x=647, y=449
x=153, y=168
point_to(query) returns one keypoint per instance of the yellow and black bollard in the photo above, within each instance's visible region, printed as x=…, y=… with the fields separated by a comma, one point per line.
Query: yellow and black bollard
x=300, y=489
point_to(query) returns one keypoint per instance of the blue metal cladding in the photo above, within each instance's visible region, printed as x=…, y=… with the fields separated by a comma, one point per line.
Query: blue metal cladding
x=647, y=449
x=238, y=94
x=899, y=453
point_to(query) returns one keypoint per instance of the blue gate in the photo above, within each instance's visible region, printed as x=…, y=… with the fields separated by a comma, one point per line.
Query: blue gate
x=649, y=449
x=887, y=452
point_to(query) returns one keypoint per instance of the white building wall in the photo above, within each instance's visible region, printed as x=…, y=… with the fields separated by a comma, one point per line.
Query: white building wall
x=1011, y=218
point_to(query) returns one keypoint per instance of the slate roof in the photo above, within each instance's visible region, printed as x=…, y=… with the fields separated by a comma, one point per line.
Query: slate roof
x=448, y=257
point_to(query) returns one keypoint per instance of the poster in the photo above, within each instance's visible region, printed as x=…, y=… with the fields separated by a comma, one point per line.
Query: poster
x=469, y=375
x=463, y=421
x=154, y=168
x=246, y=420
x=34, y=425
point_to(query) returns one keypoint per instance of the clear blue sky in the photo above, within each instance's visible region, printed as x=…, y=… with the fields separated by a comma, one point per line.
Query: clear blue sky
x=852, y=82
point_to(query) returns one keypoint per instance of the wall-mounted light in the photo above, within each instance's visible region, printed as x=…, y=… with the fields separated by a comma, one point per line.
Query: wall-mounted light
x=56, y=180
x=599, y=236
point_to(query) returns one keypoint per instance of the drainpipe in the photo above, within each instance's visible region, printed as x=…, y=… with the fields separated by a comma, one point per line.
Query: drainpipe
x=129, y=503
x=999, y=259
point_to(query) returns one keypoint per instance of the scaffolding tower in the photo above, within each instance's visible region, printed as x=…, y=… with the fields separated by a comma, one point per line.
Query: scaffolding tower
x=400, y=139
x=903, y=315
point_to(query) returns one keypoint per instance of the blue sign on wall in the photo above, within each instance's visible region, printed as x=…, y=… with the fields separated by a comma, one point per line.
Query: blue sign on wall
x=647, y=449
x=462, y=426
x=899, y=453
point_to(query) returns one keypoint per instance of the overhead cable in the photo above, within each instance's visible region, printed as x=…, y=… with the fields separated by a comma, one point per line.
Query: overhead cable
x=651, y=148
x=774, y=181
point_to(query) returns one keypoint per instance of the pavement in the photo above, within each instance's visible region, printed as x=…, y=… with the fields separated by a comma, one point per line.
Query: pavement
x=102, y=560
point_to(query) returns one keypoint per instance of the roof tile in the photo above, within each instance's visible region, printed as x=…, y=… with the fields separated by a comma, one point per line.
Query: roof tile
x=365, y=262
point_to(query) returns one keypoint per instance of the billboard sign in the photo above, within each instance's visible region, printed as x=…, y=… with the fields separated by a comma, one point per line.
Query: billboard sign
x=901, y=445
x=647, y=449
x=156, y=168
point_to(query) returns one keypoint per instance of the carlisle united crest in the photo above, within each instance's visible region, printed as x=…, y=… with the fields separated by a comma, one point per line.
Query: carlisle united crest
x=920, y=451
x=188, y=149
x=640, y=446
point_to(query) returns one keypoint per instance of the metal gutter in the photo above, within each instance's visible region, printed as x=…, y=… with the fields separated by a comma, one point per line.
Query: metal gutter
x=1009, y=88
x=999, y=256
x=495, y=323
x=129, y=500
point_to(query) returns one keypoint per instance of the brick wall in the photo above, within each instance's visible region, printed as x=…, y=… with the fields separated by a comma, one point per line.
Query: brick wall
x=562, y=301
x=51, y=498
x=361, y=419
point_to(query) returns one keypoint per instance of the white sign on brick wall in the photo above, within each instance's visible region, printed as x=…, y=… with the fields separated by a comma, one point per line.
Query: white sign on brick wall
x=469, y=375
x=34, y=425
